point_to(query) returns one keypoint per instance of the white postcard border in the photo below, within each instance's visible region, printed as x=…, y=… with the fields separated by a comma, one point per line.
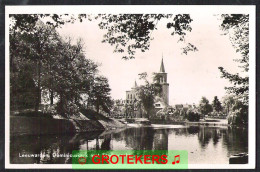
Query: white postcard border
x=115, y=9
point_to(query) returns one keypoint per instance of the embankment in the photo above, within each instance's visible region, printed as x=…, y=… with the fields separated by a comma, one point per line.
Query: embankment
x=40, y=125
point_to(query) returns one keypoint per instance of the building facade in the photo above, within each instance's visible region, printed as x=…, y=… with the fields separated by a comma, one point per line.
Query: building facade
x=131, y=95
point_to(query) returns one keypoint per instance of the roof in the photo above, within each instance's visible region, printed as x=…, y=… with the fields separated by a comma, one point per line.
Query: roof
x=162, y=69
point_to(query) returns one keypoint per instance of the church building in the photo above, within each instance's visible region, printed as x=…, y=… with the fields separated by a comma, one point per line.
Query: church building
x=161, y=100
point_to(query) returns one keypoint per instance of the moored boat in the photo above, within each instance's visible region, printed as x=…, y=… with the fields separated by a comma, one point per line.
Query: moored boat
x=240, y=158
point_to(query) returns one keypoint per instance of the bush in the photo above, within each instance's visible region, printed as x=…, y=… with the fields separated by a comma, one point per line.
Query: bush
x=239, y=114
x=193, y=116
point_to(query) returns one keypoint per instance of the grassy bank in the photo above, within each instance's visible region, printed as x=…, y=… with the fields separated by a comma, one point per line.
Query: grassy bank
x=31, y=123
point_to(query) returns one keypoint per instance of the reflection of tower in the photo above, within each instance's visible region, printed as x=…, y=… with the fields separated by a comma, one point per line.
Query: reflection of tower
x=161, y=140
x=162, y=79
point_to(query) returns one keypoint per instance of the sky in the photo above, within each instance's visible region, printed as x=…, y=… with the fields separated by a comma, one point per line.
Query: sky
x=189, y=76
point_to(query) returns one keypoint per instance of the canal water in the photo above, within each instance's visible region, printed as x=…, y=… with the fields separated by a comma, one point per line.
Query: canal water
x=205, y=145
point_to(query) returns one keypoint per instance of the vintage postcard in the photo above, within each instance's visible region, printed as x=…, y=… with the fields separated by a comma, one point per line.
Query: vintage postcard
x=130, y=87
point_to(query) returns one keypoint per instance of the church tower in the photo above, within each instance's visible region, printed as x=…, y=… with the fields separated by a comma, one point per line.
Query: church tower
x=162, y=79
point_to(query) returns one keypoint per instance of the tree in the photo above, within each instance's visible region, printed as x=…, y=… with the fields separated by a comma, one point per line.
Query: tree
x=52, y=65
x=228, y=102
x=216, y=104
x=127, y=32
x=204, y=107
x=193, y=115
x=237, y=27
x=27, y=22
x=241, y=112
x=131, y=32
x=32, y=49
x=146, y=94
x=22, y=87
x=100, y=94
x=129, y=109
x=73, y=74
x=238, y=114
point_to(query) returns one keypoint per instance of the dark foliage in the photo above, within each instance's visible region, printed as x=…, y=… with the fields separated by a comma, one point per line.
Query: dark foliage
x=193, y=116
x=147, y=94
x=132, y=32
x=204, y=107
x=216, y=104
x=237, y=27
x=127, y=32
x=42, y=62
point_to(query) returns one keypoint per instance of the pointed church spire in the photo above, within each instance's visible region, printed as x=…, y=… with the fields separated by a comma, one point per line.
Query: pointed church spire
x=135, y=85
x=162, y=70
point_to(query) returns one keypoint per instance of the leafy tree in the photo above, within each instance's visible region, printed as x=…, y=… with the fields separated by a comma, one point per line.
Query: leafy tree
x=216, y=104
x=100, y=94
x=72, y=75
x=32, y=48
x=237, y=27
x=193, y=115
x=183, y=113
x=236, y=110
x=131, y=32
x=53, y=66
x=239, y=113
x=163, y=113
x=204, y=107
x=129, y=109
x=146, y=94
x=22, y=87
x=28, y=22
x=127, y=32
x=228, y=102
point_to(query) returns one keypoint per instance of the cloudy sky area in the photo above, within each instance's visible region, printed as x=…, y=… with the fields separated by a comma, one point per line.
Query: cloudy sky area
x=190, y=76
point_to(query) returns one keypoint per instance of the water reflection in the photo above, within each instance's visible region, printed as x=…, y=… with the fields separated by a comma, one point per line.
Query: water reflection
x=204, y=144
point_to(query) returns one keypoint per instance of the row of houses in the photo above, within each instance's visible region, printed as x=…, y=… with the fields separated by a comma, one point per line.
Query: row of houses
x=122, y=109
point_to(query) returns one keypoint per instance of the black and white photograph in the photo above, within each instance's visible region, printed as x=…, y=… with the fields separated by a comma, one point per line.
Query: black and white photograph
x=130, y=78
